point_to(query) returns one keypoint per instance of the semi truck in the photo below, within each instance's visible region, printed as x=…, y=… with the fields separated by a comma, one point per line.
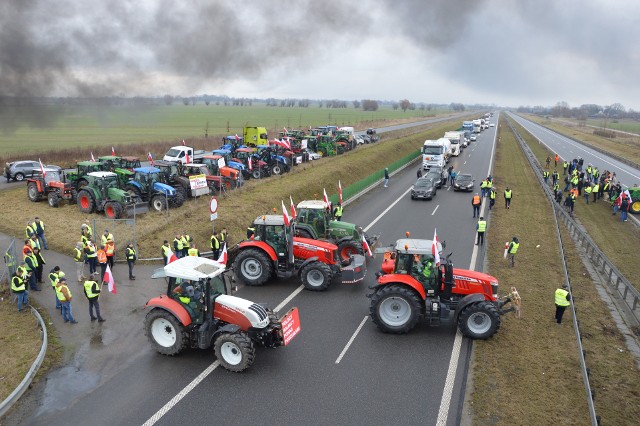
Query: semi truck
x=435, y=153
x=477, y=126
x=457, y=140
x=254, y=136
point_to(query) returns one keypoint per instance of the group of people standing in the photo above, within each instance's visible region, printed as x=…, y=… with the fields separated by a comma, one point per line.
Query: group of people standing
x=184, y=245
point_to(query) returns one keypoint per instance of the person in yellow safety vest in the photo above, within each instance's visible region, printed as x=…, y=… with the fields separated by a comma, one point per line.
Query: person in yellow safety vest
x=106, y=236
x=595, y=190
x=31, y=265
x=33, y=242
x=92, y=291
x=65, y=297
x=177, y=245
x=587, y=192
x=545, y=176
x=38, y=228
x=589, y=170
x=130, y=253
x=92, y=256
x=166, y=252
x=489, y=185
x=215, y=246
x=193, y=251
x=556, y=188
x=41, y=262
x=110, y=251
x=223, y=238
x=513, y=249
x=88, y=229
x=565, y=165
x=54, y=276
x=596, y=173
x=78, y=257
x=476, y=201
x=19, y=288
x=186, y=243
x=562, y=300
x=508, y=194
x=337, y=212
x=483, y=188
x=574, y=182
x=427, y=273
x=29, y=230
x=481, y=227
x=492, y=197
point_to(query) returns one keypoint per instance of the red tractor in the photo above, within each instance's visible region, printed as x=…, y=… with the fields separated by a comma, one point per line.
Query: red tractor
x=273, y=250
x=410, y=287
x=52, y=186
x=197, y=312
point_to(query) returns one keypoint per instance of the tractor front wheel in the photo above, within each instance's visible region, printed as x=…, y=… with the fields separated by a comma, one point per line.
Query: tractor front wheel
x=165, y=333
x=256, y=174
x=395, y=308
x=479, y=320
x=277, y=170
x=86, y=202
x=235, y=351
x=134, y=191
x=53, y=198
x=178, y=199
x=32, y=191
x=113, y=210
x=316, y=276
x=349, y=247
x=253, y=267
x=158, y=202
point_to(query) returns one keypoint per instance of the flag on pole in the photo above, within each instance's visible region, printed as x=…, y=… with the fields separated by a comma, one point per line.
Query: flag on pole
x=93, y=158
x=340, y=191
x=44, y=174
x=285, y=215
x=150, y=157
x=223, y=256
x=434, y=249
x=187, y=160
x=113, y=151
x=184, y=143
x=249, y=163
x=171, y=256
x=294, y=213
x=365, y=246
x=108, y=278
x=237, y=137
x=326, y=197
x=286, y=132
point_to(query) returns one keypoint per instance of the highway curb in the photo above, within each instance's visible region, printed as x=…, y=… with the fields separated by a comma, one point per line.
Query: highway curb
x=28, y=378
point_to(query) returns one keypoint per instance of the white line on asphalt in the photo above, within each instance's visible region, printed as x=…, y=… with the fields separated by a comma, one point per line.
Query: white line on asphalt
x=386, y=210
x=289, y=298
x=169, y=405
x=448, y=187
x=434, y=210
x=464, y=163
x=346, y=348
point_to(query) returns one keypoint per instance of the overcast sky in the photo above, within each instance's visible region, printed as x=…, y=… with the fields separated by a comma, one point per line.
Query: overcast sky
x=504, y=52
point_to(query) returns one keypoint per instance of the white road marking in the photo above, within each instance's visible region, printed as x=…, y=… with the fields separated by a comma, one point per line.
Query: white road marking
x=464, y=163
x=434, y=210
x=289, y=298
x=353, y=337
x=386, y=210
x=448, y=187
x=184, y=392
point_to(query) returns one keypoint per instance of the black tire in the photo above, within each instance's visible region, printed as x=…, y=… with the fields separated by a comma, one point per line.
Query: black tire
x=479, y=320
x=54, y=199
x=113, y=210
x=235, y=351
x=158, y=202
x=165, y=333
x=74, y=197
x=253, y=267
x=349, y=247
x=134, y=191
x=177, y=200
x=81, y=183
x=32, y=192
x=19, y=177
x=303, y=233
x=316, y=276
x=276, y=170
x=256, y=174
x=395, y=308
x=86, y=203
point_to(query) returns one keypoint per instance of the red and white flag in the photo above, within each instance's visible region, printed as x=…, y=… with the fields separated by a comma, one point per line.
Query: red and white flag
x=223, y=256
x=150, y=157
x=294, y=213
x=113, y=151
x=340, y=191
x=237, y=137
x=250, y=163
x=187, y=160
x=434, y=249
x=365, y=246
x=184, y=143
x=285, y=215
x=171, y=256
x=326, y=197
x=286, y=132
x=108, y=278
x=44, y=174
x=93, y=158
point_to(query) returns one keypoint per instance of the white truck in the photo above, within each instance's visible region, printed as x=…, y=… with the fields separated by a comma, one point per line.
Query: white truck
x=179, y=154
x=435, y=153
x=477, y=126
x=457, y=139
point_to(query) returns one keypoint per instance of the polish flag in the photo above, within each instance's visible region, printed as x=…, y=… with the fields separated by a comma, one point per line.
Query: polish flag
x=113, y=151
x=93, y=158
x=44, y=174
x=223, y=256
x=150, y=157
x=187, y=160
x=434, y=249
x=285, y=215
x=326, y=197
x=171, y=256
x=250, y=163
x=340, y=191
x=108, y=278
x=184, y=143
x=286, y=132
x=365, y=246
x=237, y=137
x=294, y=213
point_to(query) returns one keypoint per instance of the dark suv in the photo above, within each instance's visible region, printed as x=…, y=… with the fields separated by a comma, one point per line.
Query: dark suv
x=19, y=170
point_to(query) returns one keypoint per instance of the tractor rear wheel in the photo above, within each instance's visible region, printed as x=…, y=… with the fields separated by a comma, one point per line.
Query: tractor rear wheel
x=235, y=351
x=165, y=333
x=479, y=320
x=303, y=233
x=256, y=174
x=395, y=308
x=82, y=183
x=158, y=202
x=635, y=207
x=86, y=202
x=134, y=191
x=277, y=170
x=177, y=200
x=349, y=247
x=32, y=191
x=253, y=267
x=53, y=198
x=113, y=210
x=316, y=276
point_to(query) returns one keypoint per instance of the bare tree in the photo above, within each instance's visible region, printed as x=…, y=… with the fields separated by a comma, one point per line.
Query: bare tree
x=168, y=100
x=404, y=104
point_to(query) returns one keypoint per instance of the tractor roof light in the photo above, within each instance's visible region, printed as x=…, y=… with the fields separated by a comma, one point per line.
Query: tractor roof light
x=408, y=234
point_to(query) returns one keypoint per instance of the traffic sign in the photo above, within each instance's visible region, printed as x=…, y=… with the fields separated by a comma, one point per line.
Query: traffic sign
x=214, y=216
x=213, y=205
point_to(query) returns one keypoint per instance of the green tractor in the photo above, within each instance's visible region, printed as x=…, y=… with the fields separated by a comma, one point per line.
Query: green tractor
x=102, y=193
x=78, y=177
x=314, y=220
x=327, y=146
x=635, y=199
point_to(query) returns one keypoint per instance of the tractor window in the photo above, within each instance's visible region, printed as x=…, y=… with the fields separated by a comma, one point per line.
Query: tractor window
x=217, y=286
x=404, y=263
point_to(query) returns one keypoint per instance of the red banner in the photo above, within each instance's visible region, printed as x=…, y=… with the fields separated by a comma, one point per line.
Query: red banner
x=290, y=325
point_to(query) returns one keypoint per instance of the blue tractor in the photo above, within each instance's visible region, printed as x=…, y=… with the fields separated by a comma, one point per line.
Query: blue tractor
x=149, y=184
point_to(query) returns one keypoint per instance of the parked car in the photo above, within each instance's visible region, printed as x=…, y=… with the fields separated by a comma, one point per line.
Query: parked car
x=371, y=131
x=359, y=139
x=366, y=138
x=463, y=182
x=19, y=170
x=438, y=174
x=424, y=188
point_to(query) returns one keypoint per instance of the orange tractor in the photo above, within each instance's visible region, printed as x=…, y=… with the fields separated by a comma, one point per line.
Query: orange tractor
x=50, y=186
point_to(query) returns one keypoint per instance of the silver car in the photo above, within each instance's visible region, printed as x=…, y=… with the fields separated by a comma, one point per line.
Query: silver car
x=19, y=170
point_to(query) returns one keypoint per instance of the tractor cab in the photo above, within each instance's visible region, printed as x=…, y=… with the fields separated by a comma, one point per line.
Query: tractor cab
x=147, y=177
x=110, y=162
x=316, y=214
x=414, y=257
x=272, y=230
x=226, y=154
x=170, y=169
x=130, y=163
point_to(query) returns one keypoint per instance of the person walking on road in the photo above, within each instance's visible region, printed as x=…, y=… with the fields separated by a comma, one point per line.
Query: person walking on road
x=102, y=261
x=481, y=227
x=110, y=251
x=92, y=291
x=130, y=253
x=565, y=165
x=562, y=300
x=78, y=257
x=492, y=197
x=476, y=201
x=54, y=276
x=512, y=249
x=92, y=256
x=386, y=177
x=65, y=297
x=624, y=207
x=508, y=194
x=337, y=212
x=452, y=176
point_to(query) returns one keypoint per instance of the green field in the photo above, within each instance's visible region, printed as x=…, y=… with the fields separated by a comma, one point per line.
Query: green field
x=27, y=129
x=631, y=126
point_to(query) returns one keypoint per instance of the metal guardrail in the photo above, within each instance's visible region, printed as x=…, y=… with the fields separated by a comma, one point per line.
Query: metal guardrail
x=537, y=169
x=28, y=378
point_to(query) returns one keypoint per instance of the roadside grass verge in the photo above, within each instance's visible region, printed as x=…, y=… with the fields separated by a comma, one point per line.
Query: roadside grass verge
x=236, y=211
x=626, y=146
x=529, y=372
x=620, y=241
